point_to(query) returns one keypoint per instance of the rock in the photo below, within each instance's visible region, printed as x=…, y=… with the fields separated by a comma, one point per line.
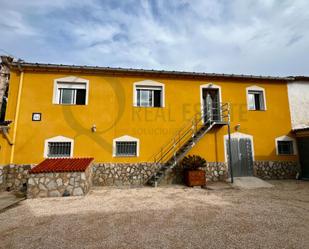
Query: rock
x=31, y=181
x=54, y=193
x=78, y=191
x=69, y=189
x=33, y=192
x=72, y=181
x=42, y=187
x=83, y=176
x=42, y=194
x=17, y=182
x=52, y=185
x=59, y=182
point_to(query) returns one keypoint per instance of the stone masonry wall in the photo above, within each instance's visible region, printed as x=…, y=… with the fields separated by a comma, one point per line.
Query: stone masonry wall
x=59, y=184
x=117, y=174
x=2, y=178
x=276, y=169
x=215, y=171
x=14, y=177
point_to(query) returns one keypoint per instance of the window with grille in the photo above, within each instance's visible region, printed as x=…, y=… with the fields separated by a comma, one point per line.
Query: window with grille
x=256, y=100
x=59, y=149
x=126, y=148
x=285, y=147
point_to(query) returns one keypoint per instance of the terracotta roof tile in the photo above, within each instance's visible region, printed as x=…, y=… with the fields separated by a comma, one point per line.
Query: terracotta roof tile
x=53, y=165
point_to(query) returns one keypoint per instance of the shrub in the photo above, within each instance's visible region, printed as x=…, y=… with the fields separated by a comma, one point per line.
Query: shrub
x=194, y=162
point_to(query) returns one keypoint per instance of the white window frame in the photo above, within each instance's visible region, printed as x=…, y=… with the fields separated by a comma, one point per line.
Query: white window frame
x=58, y=139
x=150, y=84
x=286, y=138
x=70, y=82
x=126, y=138
x=259, y=89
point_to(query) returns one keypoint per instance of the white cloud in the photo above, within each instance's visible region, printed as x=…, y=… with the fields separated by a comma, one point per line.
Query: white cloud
x=12, y=21
x=253, y=37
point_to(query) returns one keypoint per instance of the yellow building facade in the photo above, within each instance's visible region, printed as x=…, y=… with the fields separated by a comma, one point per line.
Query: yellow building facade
x=139, y=106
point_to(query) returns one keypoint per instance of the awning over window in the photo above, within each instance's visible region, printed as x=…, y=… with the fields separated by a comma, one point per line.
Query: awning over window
x=62, y=165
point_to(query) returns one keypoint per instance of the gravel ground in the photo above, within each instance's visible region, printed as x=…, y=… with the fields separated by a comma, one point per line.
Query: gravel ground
x=167, y=217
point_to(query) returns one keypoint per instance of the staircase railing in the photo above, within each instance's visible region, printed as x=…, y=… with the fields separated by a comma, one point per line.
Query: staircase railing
x=218, y=113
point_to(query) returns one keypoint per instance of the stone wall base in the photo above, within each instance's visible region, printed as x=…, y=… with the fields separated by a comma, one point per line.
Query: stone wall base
x=215, y=171
x=59, y=184
x=14, y=177
x=276, y=169
x=119, y=174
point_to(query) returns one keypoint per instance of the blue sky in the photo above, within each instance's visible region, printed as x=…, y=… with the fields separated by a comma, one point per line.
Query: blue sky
x=262, y=37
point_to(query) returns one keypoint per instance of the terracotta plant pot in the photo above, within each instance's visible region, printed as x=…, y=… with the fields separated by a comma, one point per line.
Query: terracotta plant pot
x=195, y=178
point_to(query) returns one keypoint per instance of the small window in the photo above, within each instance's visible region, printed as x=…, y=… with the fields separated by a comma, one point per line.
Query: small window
x=285, y=147
x=73, y=96
x=58, y=146
x=126, y=148
x=147, y=96
x=71, y=91
x=256, y=100
x=59, y=149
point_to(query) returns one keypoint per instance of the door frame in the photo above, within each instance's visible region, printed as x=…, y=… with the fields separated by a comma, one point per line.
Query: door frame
x=208, y=86
x=237, y=135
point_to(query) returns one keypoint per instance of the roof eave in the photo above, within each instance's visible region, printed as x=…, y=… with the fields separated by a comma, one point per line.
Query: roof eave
x=137, y=72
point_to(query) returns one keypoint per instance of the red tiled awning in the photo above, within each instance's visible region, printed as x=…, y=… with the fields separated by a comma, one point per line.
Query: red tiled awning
x=62, y=165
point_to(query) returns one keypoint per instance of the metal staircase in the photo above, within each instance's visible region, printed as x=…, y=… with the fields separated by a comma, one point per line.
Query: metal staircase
x=218, y=114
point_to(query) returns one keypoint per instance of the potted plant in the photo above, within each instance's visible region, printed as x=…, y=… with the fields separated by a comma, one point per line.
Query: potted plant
x=193, y=170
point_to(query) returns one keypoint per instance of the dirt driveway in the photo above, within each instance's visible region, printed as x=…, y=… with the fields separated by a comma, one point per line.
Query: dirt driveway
x=170, y=217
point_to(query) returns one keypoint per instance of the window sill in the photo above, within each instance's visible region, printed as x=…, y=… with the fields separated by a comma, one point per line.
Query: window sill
x=257, y=110
x=148, y=106
x=123, y=156
x=55, y=157
x=69, y=104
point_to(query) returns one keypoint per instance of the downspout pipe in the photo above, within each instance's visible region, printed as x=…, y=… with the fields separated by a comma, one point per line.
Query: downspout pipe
x=230, y=153
x=230, y=145
x=15, y=122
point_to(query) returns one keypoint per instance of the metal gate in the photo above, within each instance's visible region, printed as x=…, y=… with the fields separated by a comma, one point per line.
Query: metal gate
x=242, y=161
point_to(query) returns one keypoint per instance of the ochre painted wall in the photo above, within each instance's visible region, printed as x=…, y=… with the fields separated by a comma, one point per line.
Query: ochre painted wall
x=110, y=108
